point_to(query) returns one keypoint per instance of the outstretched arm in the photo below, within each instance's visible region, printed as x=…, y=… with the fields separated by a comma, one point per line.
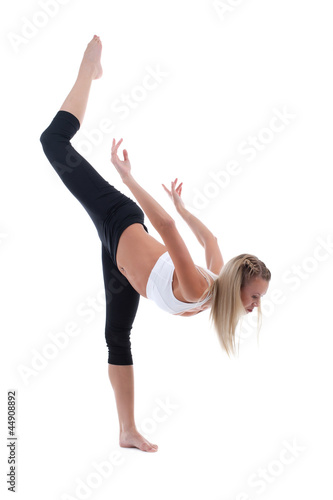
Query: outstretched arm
x=206, y=238
x=155, y=213
x=191, y=282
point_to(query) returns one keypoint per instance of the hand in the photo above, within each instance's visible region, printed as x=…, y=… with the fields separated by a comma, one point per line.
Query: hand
x=175, y=194
x=122, y=166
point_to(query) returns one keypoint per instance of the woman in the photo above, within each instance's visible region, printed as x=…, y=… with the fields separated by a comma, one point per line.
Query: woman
x=134, y=263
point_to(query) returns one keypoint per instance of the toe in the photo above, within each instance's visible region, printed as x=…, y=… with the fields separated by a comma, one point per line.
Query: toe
x=145, y=447
x=148, y=447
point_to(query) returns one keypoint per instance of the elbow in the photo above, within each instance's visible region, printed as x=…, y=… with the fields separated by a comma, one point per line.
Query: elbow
x=166, y=224
x=209, y=240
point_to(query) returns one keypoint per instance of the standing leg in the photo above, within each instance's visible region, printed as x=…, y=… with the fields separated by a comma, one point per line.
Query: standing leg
x=122, y=302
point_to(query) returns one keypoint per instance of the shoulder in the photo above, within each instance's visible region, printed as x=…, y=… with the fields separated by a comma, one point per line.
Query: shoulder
x=210, y=276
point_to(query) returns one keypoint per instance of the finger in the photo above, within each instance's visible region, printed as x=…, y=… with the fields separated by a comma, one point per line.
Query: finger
x=116, y=146
x=125, y=154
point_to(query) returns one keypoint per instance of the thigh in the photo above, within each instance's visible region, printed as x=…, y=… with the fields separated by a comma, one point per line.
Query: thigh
x=106, y=206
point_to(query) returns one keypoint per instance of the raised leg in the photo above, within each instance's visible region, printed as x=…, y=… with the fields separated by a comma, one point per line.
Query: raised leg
x=90, y=69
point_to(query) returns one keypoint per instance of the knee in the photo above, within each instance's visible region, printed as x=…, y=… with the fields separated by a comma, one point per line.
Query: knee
x=61, y=129
x=59, y=152
x=45, y=138
x=49, y=142
x=119, y=345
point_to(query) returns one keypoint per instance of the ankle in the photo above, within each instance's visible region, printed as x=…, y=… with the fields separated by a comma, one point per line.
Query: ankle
x=128, y=429
x=86, y=72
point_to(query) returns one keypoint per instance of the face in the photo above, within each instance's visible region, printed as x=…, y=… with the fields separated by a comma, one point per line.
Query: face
x=252, y=292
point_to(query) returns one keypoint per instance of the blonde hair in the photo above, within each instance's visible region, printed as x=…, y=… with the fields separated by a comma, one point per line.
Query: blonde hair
x=227, y=307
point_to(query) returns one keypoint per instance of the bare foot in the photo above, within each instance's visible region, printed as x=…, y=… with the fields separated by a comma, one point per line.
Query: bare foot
x=92, y=58
x=133, y=439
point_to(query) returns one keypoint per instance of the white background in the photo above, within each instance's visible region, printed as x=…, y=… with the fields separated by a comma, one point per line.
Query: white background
x=226, y=434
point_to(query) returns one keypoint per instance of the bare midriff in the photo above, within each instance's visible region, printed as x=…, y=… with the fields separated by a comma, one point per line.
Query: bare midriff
x=137, y=254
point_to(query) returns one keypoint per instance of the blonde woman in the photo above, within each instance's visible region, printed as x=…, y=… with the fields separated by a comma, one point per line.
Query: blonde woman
x=135, y=263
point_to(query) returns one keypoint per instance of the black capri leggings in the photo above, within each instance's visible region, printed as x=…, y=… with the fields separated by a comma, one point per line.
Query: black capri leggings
x=111, y=212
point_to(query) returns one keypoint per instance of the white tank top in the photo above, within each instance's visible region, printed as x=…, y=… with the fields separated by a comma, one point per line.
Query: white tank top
x=159, y=287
